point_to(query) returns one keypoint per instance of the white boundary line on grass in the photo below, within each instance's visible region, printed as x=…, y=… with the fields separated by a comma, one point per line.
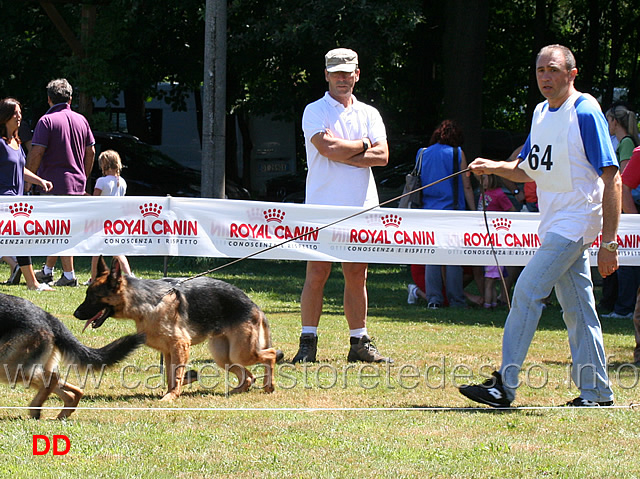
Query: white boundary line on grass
x=631, y=406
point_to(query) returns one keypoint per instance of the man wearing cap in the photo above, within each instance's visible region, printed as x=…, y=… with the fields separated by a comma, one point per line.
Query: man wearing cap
x=344, y=138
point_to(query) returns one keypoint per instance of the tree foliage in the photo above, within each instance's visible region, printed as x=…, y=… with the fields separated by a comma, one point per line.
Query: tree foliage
x=276, y=49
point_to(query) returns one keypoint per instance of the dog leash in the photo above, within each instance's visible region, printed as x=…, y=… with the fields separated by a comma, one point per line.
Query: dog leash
x=493, y=251
x=237, y=260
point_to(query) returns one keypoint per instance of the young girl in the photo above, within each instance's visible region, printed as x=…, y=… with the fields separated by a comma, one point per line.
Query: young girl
x=110, y=184
x=493, y=199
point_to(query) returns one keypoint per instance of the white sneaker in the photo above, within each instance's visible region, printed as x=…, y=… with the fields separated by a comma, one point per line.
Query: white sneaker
x=43, y=287
x=413, y=297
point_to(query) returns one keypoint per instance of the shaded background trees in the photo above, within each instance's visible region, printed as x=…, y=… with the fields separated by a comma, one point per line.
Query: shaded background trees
x=422, y=60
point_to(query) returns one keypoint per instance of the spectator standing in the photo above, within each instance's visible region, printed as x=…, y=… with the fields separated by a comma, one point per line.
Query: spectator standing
x=62, y=150
x=456, y=194
x=12, y=177
x=630, y=181
x=344, y=138
x=619, y=289
x=569, y=156
x=623, y=123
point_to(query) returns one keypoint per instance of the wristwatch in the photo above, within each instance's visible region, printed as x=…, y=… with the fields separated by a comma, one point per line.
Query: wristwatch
x=365, y=145
x=609, y=245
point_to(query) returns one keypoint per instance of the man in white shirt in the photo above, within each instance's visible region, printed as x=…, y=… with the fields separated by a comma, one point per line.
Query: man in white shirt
x=569, y=156
x=344, y=138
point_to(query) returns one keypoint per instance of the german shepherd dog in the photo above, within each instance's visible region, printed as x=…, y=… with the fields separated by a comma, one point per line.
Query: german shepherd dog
x=34, y=342
x=174, y=316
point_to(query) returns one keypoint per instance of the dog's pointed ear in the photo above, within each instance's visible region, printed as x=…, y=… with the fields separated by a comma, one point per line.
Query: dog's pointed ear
x=116, y=270
x=102, y=266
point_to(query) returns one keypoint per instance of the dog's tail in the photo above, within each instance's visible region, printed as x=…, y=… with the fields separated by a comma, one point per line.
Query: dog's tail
x=73, y=351
x=265, y=336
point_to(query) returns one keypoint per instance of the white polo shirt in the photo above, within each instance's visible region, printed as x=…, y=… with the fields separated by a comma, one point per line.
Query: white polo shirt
x=330, y=182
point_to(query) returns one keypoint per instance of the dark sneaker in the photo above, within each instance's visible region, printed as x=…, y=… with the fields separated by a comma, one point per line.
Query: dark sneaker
x=63, y=281
x=581, y=402
x=16, y=274
x=490, y=392
x=42, y=277
x=433, y=306
x=307, y=350
x=365, y=350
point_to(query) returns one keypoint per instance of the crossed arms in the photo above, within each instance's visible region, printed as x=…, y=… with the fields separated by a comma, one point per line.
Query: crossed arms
x=350, y=152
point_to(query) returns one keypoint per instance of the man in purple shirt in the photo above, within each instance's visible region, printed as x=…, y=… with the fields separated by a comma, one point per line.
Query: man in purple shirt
x=62, y=149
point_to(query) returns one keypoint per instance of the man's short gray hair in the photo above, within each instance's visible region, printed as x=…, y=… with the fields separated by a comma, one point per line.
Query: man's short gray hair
x=569, y=59
x=59, y=90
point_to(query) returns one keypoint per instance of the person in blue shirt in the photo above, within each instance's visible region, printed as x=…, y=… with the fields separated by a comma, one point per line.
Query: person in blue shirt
x=438, y=162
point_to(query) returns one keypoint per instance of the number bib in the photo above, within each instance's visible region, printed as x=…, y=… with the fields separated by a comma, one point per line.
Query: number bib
x=548, y=160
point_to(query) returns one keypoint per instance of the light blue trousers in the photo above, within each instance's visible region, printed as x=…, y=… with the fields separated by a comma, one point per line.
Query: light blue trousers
x=564, y=264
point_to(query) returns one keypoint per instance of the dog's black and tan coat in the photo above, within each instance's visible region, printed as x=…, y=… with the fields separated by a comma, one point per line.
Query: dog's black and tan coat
x=32, y=345
x=174, y=316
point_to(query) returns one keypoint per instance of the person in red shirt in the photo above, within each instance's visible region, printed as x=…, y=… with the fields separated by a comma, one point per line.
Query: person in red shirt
x=630, y=181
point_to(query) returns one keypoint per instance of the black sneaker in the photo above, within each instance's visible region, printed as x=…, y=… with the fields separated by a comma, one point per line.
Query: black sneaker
x=64, y=281
x=365, y=350
x=581, y=402
x=14, y=279
x=490, y=392
x=42, y=277
x=307, y=350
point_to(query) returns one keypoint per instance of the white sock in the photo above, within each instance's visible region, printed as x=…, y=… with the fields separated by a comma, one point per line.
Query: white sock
x=47, y=270
x=70, y=274
x=358, y=333
x=310, y=330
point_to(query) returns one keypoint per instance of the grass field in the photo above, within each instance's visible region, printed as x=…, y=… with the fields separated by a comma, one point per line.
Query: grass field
x=331, y=419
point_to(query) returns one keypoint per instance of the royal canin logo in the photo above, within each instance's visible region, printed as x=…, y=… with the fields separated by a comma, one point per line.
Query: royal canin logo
x=20, y=209
x=254, y=230
x=391, y=220
x=150, y=209
x=274, y=214
x=372, y=234
x=502, y=237
x=31, y=227
x=147, y=225
x=501, y=224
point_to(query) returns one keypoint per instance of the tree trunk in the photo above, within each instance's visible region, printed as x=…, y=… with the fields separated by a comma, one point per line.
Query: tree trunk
x=214, y=102
x=464, y=47
x=135, y=111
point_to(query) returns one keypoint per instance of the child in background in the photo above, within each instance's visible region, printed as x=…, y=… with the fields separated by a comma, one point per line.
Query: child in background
x=416, y=289
x=110, y=184
x=493, y=199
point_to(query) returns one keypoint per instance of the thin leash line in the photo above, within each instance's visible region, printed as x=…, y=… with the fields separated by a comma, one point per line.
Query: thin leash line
x=493, y=250
x=631, y=406
x=251, y=255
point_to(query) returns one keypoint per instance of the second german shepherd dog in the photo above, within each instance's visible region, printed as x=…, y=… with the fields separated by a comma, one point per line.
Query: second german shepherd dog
x=33, y=343
x=174, y=316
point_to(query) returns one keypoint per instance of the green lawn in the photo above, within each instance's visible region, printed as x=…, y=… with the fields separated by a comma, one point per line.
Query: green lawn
x=332, y=418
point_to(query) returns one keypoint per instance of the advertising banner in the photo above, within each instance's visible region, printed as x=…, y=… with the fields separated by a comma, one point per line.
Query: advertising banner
x=87, y=226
